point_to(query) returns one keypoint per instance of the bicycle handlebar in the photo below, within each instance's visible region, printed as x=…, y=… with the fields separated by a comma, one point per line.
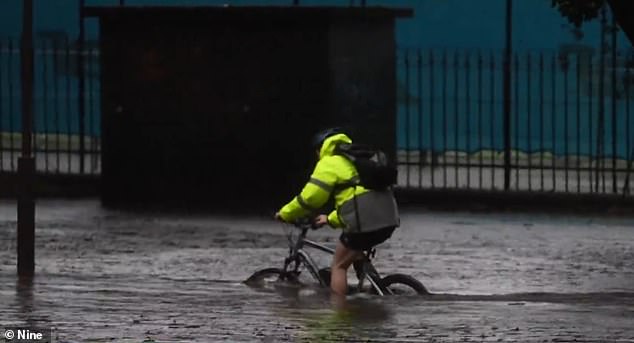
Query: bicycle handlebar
x=305, y=223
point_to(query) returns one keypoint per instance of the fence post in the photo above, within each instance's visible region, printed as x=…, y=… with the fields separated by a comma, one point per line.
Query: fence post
x=407, y=116
x=456, y=119
x=1, y=105
x=480, y=114
x=26, y=163
x=601, y=121
x=431, y=118
x=81, y=87
x=507, y=96
x=541, y=120
x=492, y=79
x=467, y=111
x=613, y=30
x=628, y=148
x=444, y=117
x=12, y=127
x=421, y=162
x=529, y=148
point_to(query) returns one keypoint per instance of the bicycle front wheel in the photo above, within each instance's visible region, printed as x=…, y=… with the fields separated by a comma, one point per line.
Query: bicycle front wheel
x=402, y=284
x=268, y=275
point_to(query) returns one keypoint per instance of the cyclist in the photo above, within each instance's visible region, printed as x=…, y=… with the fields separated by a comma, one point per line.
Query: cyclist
x=367, y=217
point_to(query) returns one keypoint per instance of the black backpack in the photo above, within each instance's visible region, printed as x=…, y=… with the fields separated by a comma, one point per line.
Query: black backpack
x=375, y=172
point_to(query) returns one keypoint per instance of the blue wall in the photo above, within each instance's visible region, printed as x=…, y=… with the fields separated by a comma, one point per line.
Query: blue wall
x=437, y=23
x=554, y=108
x=463, y=25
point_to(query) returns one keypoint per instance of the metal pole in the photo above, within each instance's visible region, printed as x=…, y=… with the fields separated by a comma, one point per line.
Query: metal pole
x=26, y=163
x=507, y=96
x=81, y=106
x=601, y=124
x=613, y=30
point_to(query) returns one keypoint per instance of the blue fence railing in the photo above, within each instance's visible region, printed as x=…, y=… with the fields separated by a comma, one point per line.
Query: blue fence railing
x=57, y=130
x=570, y=123
x=570, y=112
x=453, y=101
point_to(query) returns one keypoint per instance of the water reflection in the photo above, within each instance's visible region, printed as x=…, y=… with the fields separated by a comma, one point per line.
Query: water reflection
x=24, y=295
x=29, y=314
x=320, y=316
x=356, y=318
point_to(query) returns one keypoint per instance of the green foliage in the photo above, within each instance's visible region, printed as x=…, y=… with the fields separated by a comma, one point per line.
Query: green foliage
x=578, y=11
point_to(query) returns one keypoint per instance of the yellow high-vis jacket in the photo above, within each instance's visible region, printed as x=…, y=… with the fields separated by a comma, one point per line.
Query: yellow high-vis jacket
x=356, y=208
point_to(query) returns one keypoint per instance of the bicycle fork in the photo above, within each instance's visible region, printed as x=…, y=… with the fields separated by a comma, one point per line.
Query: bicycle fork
x=364, y=269
x=301, y=257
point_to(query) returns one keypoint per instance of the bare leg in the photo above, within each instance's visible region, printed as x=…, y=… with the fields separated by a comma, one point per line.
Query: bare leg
x=339, y=269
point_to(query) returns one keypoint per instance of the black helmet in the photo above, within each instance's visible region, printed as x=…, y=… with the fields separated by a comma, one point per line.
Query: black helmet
x=321, y=136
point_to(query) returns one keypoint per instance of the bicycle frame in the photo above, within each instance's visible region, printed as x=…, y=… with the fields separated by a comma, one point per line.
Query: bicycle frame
x=298, y=256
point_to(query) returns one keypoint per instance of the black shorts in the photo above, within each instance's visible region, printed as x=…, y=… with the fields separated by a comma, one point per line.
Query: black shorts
x=365, y=240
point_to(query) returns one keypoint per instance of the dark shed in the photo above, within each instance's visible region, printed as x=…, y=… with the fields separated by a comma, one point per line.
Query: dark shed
x=215, y=106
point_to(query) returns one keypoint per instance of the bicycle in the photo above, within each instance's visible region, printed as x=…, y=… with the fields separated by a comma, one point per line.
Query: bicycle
x=299, y=258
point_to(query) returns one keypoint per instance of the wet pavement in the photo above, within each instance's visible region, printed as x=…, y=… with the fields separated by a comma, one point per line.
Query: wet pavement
x=110, y=276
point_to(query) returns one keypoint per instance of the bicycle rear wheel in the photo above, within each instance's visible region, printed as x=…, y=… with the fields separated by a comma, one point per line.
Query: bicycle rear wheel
x=402, y=284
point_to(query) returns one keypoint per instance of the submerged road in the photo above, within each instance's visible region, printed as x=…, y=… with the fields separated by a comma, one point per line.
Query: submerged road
x=110, y=276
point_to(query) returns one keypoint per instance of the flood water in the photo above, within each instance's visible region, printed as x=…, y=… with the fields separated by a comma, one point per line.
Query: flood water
x=110, y=276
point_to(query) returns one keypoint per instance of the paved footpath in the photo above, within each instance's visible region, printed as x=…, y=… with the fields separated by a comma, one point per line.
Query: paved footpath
x=109, y=276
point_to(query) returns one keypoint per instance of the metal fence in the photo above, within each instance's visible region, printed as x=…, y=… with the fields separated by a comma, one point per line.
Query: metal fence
x=569, y=123
x=66, y=125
